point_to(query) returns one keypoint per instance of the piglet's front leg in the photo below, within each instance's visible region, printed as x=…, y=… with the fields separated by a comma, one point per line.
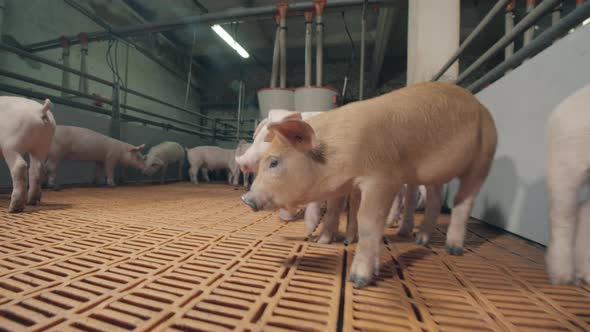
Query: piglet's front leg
x=376, y=199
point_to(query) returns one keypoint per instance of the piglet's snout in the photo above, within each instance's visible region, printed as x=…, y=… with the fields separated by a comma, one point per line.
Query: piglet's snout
x=247, y=199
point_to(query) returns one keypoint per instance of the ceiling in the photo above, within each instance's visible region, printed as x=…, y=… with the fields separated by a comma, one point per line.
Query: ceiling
x=257, y=35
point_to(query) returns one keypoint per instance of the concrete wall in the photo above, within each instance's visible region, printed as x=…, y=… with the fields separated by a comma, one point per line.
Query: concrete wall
x=38, y=20
x=514, y=196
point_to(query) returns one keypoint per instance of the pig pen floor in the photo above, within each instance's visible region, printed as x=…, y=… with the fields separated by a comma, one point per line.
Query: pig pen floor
x=186, y=258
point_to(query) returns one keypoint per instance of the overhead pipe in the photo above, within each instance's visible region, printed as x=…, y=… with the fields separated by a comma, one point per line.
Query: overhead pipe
x=83, y=82
x=479, y=28
x=508, y=27
x=543, y=8
x=65, y=76
x=228, y=15
x=308, y=47
x=362, y=64
x=275, y=55
x=544, y=40
x=282, y=8
x=319, y=25
x=530, y=32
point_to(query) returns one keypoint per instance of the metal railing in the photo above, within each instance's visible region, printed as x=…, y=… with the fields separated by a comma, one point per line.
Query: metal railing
x=204, y=126
x=574, y=18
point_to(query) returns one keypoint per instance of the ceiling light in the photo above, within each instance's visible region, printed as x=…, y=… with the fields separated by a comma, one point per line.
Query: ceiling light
x=230, y=41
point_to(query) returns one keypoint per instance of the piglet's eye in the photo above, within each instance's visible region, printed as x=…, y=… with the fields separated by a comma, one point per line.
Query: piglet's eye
x=273, y=163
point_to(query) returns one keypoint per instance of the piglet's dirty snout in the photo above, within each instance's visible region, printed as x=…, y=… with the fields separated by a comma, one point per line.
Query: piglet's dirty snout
x=248, y=200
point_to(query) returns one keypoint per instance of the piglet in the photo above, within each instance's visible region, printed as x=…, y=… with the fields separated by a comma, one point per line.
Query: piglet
x=76, y=143
x=162, y=155
x=568, y=170
x=249, y=160
x=25, y=127
x=424, y=134
x=208, y=158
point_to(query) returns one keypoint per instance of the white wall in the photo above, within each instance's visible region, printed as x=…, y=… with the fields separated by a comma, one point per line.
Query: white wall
x=514, y=196
x=38, y=20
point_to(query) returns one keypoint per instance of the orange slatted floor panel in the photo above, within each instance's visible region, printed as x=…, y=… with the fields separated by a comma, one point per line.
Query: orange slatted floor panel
x=185, y=258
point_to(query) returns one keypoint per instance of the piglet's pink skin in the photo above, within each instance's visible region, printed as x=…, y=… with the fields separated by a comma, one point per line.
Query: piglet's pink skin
x=26, y=127
x=568, y=169
x=424, y=134
x=76, y=143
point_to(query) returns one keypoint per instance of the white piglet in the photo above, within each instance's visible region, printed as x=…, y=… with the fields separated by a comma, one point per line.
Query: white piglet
x=76, y=143
x=249, y=160
x=568, y=170
x=209, y=158
x=161, y=156
x=25, y=127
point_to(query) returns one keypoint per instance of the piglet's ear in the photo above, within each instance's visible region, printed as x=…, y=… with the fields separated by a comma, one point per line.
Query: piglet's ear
x=259, y=128
x=296, y=133
x=137, y=148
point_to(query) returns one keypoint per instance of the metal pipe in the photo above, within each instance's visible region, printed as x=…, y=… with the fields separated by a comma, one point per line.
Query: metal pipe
x=240, y=98
x=556, y=14
x=308, y=47
x=478, y=29
x=65, y=76
x=508, y=27
x=525, y=23
x=2, y=9
x=217, y=17
x=189, y=72
x=275, y=55
x=126, y=73
x=65, y=101
x=319, y=25
x=65, y=91
x=83, y=82
x=530, y=32
x=25, y=54
x=362, y=64
x=282, y=8
x=115, y=125
x=543, y=41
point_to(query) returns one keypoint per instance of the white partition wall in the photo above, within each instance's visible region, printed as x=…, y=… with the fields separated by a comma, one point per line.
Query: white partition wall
x=514, y=196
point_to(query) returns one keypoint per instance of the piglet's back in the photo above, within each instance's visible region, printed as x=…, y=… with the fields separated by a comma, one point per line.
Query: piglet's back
x=419, y=124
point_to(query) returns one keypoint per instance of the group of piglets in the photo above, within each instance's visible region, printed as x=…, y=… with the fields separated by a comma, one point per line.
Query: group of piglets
x=28, y=127
x=378, y=152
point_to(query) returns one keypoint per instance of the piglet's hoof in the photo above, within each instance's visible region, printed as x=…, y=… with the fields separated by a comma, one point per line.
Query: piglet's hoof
x=359, y=282
x=455, y=251
x=16, y=209
x=422, y=238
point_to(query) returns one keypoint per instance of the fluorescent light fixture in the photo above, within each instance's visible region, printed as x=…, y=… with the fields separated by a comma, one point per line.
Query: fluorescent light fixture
x=230, y=41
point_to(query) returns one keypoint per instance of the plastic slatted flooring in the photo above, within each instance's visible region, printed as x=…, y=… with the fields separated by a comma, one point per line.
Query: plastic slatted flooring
x=185, y=258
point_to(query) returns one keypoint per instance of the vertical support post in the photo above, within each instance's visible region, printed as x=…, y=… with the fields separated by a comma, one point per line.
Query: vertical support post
x=123, y=110
x=556, y=14
x=319, y=26
x=508, y=26
x=282, y=7
x=276, y=55
x=189, y=73
x=65, y=76
x=240, y=99
x=529, y=34
x=2, y=9
x=83, y=83
x=215, y=129
x=308, y=47
x=363, y=41
x=115, y=128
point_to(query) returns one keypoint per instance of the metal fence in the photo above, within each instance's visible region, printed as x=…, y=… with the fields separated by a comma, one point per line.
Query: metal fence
x=202, y=126
x=557, y=30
